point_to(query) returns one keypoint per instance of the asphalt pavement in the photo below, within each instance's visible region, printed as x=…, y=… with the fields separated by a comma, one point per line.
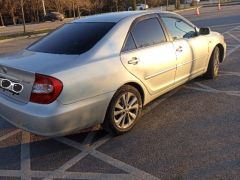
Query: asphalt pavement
x=191, y=132
x=8, y=30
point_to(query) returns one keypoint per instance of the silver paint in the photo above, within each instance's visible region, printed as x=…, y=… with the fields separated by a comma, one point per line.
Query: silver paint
x=91, y=79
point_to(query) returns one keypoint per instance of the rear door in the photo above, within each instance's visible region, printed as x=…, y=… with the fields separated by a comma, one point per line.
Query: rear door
x=148, y=55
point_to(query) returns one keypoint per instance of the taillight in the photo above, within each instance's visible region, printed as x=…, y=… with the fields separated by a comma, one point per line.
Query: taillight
x=45, y=89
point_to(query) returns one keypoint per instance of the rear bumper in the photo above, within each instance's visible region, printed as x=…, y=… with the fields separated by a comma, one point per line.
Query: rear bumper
x=55, y=119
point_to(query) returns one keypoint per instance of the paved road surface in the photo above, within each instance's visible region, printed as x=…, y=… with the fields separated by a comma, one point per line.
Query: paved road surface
x=189, y=133
x=32, y=27
x=212, y=17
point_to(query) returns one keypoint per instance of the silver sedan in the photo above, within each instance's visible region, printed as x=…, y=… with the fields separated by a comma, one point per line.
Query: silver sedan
x=103, y=69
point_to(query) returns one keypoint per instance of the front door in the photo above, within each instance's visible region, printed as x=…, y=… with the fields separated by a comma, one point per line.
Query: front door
x=191, y=49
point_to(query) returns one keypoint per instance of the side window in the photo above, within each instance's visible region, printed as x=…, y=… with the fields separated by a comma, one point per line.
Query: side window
x=130, y=44
x=148, y=32
x=178, y=28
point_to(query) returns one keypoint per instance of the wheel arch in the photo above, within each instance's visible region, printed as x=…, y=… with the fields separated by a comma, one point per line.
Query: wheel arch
x=139, y=88
x=108, y=126
x=221, y=49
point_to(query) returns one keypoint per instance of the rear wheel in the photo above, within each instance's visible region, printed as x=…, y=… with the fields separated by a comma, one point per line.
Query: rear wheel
x=124, y=110
x=213, y=66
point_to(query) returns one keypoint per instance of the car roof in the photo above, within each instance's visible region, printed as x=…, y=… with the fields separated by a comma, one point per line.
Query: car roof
x=109, y=17
x=115, y=16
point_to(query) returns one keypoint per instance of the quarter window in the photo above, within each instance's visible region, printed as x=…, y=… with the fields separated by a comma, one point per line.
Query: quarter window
x=130, y=44
x=148, y=32
x=178, y=28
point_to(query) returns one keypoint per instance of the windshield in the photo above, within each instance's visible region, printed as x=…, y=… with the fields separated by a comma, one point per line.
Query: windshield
x=73, y=38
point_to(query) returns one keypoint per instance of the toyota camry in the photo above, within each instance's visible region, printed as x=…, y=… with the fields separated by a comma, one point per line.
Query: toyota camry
x=103, y=69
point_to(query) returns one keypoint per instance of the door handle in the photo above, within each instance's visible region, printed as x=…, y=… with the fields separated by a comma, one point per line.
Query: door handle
x=179, y=49
x=133, y=61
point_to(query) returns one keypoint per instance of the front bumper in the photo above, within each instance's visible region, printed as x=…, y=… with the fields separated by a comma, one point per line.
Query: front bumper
x=55, y=119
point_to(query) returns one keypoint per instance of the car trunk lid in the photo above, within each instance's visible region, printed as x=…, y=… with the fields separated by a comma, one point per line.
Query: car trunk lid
x=23, y=66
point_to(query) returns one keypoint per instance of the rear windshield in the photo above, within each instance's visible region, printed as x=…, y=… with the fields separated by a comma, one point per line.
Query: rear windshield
x=73, y=38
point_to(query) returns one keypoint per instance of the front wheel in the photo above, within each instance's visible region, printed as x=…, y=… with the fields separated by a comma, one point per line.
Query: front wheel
x=124, y=110
x=213, y=66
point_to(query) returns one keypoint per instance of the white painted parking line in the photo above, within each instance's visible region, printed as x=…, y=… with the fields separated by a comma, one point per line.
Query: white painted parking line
x=215, y=90
x=67, y=165
x=26, y=173
x=231, y=30
x=234, y=37
x=237, y=30
x=205, y=87
x=225, y=25
x=208, y=89
x=25, y=156
x=70, y=175
x=229, y=73
x=232, y=47
x=230, y=93
x=10, y=134
x=10, y=173
x=201, y=89
x=232, y=50
x=81, y=147
x=137, y=173
x=75, y=159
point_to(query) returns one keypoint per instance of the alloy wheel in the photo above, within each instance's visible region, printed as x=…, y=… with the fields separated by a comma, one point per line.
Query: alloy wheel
x=126, y=110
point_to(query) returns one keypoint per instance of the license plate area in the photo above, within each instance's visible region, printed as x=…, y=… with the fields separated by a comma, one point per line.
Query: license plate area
x=16, y=84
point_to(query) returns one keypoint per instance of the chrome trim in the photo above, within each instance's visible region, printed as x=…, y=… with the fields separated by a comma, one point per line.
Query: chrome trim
x=161, y=72
x=179, y=65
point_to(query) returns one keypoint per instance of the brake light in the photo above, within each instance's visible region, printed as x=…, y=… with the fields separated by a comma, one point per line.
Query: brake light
x=45, y=89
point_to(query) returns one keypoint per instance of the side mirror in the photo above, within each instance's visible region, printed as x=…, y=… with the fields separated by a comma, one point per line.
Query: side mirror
x=204, y=31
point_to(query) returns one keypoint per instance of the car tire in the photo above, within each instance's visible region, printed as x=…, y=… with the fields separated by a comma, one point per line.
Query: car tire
x=123, y=111
x=213, y=66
